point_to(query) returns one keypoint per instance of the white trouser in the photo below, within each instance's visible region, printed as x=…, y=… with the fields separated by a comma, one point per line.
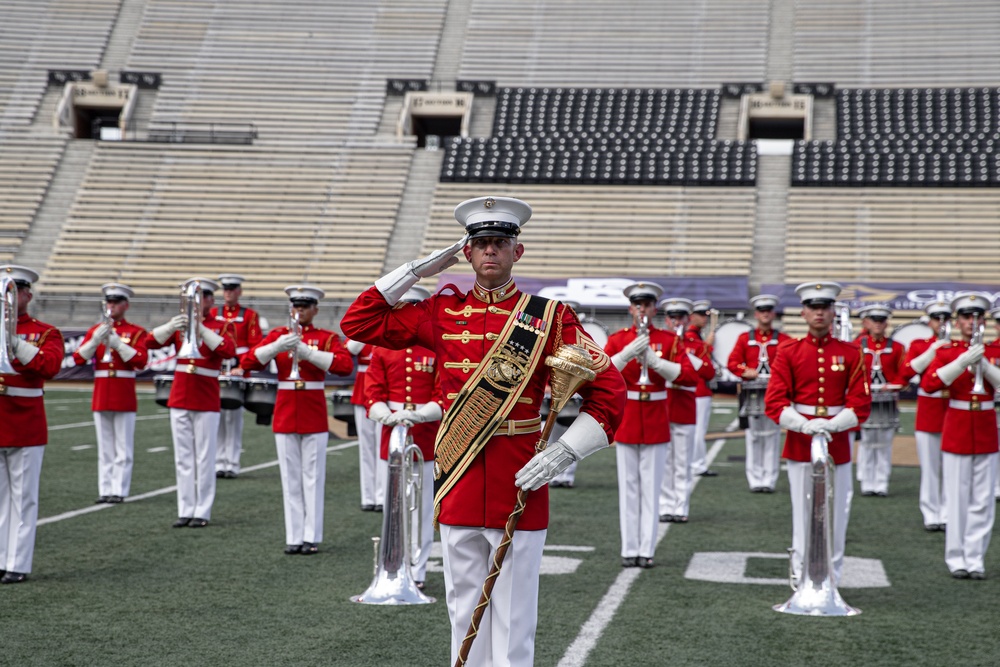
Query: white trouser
x=567, y=476
x=763, y=459
x=367, y=454
x=968, y=483
x=507, y=630
x=801, y=485
x=932, y=498
x=230, y=440
x=115, y=447
x=703, y=413
x=195, y=434
x=640, y=478
x=875, y=459
x=302, y=460
x=425, y=540
x=20, y=468
x=675, y=493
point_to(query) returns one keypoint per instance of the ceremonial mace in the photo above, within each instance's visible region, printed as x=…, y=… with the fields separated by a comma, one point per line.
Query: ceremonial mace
x=570, y=366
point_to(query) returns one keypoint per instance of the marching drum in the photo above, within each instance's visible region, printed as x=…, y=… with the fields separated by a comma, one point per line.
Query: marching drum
x=343, y=410
x=567, y=415
x=597, y=331
x=231, y=392
x=907, y=333
x=725, y=341
x=885, y=408
x=752, y=397
x=163, y=384
x=259, y=396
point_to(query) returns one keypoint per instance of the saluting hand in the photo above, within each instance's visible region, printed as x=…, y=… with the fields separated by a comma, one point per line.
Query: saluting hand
x=438, y=261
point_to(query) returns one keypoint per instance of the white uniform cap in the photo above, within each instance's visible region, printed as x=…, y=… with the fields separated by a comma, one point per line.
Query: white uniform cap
x=875, y=310
x=968, y=302
x=938, y=307
x=701, y=306
x=117, y=289
x=21, y=274
x=818, y=291
x=492, y=216
x=677, y=304
x=642, y=290
x=416, y=293
x=995, y=313
x=304, y=293
x=231, y=279
x=764, y=300
x=207, y=284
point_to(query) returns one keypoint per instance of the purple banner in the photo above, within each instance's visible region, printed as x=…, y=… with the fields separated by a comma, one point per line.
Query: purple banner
x=899, y=296
x=725, y=292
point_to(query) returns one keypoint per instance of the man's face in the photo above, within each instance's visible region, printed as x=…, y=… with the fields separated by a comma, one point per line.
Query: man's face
x=492, y=258
x=875, y=326
x=764, y=316
x=675, y=320
x=306, y=311
x=967, y=324
x=207, y=302
x=232, y=296
x=818, y=317
x=699, y=319
x=23, y=299
x=117, y=308
x=645, y=307
x=936, y=322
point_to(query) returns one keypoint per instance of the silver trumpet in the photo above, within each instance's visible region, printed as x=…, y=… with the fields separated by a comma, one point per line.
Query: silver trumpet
x=106, y=315
x=296, y=328
x=816, y=593
x=642, y=327
x=977, y=371
x=8, y=315
x=944, y=332
x=393, y=582
x=844, y=330
x=191, y=296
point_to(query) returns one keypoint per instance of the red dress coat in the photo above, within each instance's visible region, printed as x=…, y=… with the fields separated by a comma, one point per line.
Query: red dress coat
x=112, y=392
x=299, y=409
x=403, y=379
x=196, y=381
x=817, y=372
x=966, y=432
x=461, y=328
x=23, y=417
x=647, y=422
x=244, y=323
x=364, y=362
x=681, y=397
x=747, y=357
x=699, y=348
x=930, y=407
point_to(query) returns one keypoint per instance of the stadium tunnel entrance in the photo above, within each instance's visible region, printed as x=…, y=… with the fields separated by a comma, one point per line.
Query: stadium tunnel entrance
x=773, y=114
x=432, y=116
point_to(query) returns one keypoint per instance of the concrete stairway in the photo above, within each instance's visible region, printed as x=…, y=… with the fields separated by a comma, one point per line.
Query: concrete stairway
x=768, y=264
x=122, y=35
x=452, y=42
x=411, y=220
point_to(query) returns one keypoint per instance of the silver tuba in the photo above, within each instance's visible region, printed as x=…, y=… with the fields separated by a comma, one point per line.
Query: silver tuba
x=393, y=582
x=816, y=593
x=191, y=296
x=8, y=315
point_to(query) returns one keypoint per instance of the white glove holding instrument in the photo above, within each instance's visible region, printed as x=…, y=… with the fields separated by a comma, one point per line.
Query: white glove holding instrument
x=631, y=351
x=991, y=373
x=428, y=412
x=23, y=350
x=665, y=368
x=584, y=437
x=817, y=426
x=922, y=361
x=842, y=421
x=394, y=284
x=355, y=347
x=380, y=412
x=284, y=343
x=124, y=350
x=950, y=371
x=89, y=349
x=791, y=420
x=318, y=358
x=165, y=331
x=211, y=339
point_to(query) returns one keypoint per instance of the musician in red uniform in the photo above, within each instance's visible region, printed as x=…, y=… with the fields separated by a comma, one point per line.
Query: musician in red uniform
x=884, y=360
x=369, y=435
x=486, y=445
x=245, y=325
x=400, y=388
x=118, y=348
x=930, y=415
x=992, y=354
x=968, y=439
x=301, y=429
x=675, y=494
x=751, y=360
x=36, y=355
x=701, y=344
x=818, y=386
x=643, y=439
x=194, y=402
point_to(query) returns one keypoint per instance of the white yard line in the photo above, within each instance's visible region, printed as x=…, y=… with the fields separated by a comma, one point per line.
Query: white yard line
x=167, y=489
x=577, y=652
x=63, y=427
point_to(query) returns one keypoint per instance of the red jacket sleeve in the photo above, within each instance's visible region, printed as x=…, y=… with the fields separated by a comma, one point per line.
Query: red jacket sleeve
x=780, y=388
x=249, y=361
x=342, y=363
x=376, y=382
x=738, y=357
x=80, y=361
x=48, y=361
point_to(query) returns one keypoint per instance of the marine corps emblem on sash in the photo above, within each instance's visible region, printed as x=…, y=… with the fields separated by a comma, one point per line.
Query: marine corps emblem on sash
x=507, y=368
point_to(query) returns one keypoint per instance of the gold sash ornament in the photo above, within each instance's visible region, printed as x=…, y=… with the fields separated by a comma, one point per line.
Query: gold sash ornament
x=491, y=392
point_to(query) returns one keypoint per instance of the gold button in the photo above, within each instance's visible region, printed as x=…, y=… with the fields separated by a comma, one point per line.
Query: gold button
x=820, y=350
x=409, y=350
x=820, y=400
x=409, y=379
x=492, y=309
x=821, y=390
x=409, y=388
x=822, y=370
x=822, y=380
x=821, y=360
x=408, y=359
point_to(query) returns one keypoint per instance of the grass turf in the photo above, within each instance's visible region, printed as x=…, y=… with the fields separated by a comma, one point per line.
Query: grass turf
x=120, y=587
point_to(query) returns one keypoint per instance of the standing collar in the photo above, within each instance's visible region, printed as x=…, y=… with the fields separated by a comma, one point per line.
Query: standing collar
x=495, y=295
x=819, y=341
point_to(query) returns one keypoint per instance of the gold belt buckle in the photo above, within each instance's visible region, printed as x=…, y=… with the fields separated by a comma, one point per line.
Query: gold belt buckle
x=190, y=368
x=3, y=389
x=299, y=384
x=409, y=406
x=643, y=395
x=945, y=393
x=112, y=372
x=974, y=404
x=821, y=411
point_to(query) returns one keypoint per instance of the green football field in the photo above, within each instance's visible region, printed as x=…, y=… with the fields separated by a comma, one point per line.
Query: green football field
x=119, y=586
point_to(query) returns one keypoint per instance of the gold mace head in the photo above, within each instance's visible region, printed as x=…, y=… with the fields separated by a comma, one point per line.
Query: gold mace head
x=571, y=368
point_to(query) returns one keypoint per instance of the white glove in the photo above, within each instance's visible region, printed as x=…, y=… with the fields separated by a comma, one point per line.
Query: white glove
x=791, y=420
x=102, y=331
x=380, y=412
x=972, y=356
x=89, y=348
x=163, y=332
x=318, y=358
x=584, y=437
x=212, y=340
x=23, y=350
x=428, y=412
x=990, y=372
x=284, y=343
x=842, y=421
x=630, y=351
x=355, y=347
x=125, y=351
x=816, y=426
x=950, y=371
x=393, y=285
x=665, y=368
x=114, y=341
x=696, y=361
x=923, y=360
